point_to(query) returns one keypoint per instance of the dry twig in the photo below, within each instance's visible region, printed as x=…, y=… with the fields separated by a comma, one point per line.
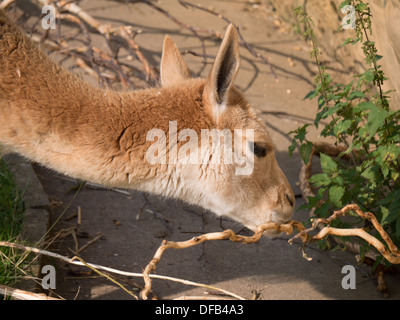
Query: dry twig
x=224, y=235
x=112, y=270
x=18, y=294
x=390, y=253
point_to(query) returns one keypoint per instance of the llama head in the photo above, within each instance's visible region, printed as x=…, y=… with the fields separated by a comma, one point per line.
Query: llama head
x=237, y=174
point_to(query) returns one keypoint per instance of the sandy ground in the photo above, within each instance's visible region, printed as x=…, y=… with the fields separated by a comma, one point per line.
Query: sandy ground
x=272, y=269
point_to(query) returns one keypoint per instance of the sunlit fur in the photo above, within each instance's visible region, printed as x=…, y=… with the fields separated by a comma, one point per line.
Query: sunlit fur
x=99, y=135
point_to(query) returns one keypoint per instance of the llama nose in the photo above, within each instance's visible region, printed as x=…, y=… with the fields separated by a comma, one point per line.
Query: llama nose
x=290, y=198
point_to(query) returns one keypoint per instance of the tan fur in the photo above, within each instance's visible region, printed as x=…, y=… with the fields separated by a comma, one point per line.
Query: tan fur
x=98, y=135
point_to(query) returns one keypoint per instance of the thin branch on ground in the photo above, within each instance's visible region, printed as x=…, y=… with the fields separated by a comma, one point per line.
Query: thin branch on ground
x=224, y=235
x=74, y=261
x=19, y=294
x=390, y=253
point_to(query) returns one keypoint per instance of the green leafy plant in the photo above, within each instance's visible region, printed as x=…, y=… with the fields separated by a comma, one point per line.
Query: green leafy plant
x=11, y=214
x=357, y=117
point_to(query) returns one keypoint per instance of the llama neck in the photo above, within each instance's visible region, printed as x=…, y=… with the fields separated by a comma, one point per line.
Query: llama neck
x=88, y=133
x=42, y=107
x=53, y=117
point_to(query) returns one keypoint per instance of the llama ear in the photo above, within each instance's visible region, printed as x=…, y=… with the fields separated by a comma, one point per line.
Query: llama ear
x=224, y=70
x=173, y=68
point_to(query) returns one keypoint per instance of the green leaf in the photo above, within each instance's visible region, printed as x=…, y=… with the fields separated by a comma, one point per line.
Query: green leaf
x=347, y=151
x=344, y=3
x=323, y=210
x=369, y=75
x=333, y=110
x=292, y=147
x=320, y=179
x=361, y=7
x=385, y=213
x=321, y=102
x=300, y=132
x=305, y=151
x=338, y=180
x=363, y=133
x=328, y=164
x=347, y=41
x=388, y=215
x=371, y=173
x=335, y=195
x=364, y=106
x=356, y=94
x=376, y=119
x=391, y=153
x=346, y=90
x=342, y=126
x=312, y=94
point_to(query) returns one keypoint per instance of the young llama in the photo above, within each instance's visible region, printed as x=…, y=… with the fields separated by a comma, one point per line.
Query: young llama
x=102, y=136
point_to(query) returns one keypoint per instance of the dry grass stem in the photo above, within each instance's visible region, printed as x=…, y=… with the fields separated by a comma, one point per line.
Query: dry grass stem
x=112, y=270
x=106, y=276
x=89, y=243
x=18, y=294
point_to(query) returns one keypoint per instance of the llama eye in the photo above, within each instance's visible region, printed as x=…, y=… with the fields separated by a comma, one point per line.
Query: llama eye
x=260, y=149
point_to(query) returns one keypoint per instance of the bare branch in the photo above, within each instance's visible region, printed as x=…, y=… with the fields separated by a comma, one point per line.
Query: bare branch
x=112, y=270
x=18, y=294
